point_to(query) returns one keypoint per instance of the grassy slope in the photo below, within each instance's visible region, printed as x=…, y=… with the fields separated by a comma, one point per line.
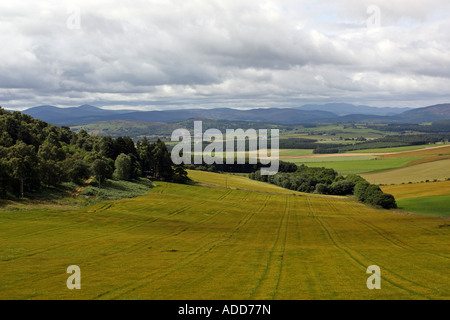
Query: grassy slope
x=235, y=182
x=197, y=242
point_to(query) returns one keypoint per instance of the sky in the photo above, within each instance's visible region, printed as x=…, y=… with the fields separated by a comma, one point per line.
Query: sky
x=156, y=55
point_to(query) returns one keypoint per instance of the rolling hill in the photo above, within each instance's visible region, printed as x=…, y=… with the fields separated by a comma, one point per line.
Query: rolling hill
x=88, y=114
x=343, y=109
x=307, y=114
x=211, y=242
x=67, y=116
x=427, y=114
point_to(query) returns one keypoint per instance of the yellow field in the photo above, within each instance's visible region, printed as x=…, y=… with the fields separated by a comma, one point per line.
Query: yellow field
x=235, y=182
x=426, y=171
x=405, y=191
x=199, y=242
x=426, y=160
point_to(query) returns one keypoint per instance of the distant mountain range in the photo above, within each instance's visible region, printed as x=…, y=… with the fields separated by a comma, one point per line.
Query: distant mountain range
x=343, y=109
x=337, y=112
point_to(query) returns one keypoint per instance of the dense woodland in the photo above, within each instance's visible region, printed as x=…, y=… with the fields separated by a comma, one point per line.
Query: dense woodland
x=327, y=181
x=35, y=154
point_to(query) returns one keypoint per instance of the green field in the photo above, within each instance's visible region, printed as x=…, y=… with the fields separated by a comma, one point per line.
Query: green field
x=211, y=242
x=295, y=152
x=356, y=165
x=434, y=205
x=426, y=198
x=331, y=159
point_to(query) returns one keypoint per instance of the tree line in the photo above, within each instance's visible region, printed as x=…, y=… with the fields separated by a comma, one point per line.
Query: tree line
x=386, y=142
x=35, y=154
x=328, y=181
x=239, y=168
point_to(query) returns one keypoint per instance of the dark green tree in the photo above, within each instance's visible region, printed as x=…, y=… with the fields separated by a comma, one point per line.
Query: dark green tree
x=76, y=170
x=180, y=174
x=102, y=169
x=4, y=175
x=384, y=200
x=123, y=167
x=23, y=164
x=107, y=148
x=163, y=163
x=342, y=187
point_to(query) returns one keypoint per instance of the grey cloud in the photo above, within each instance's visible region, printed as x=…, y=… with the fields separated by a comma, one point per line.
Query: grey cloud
x=216, y=53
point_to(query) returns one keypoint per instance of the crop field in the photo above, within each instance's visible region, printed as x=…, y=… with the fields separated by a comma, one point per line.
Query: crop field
x=431, y=198
x=439, y=170
x=212, y=242
x=405, y=191
x=436, y=151
x=234, y=182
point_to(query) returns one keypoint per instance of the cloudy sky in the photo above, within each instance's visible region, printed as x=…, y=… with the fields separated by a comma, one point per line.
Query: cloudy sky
x=177, y=54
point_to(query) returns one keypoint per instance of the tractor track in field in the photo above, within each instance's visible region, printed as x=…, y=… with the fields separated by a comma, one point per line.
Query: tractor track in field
x=135, y=246
x=47, y=230
x=283, y=250
x=52, y=247
x=271, y=257
x=128, y=228
x=387, y=236
x=351, y=254
x=403, y=246
x=191, y=257
x=105, y=207
x=396, y=275
x=146, y=242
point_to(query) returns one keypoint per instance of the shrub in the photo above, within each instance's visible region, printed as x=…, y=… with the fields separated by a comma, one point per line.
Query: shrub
x=360, y=190
x=371, y=192
x=384, y=200
x=322, y=188
x=342, y=187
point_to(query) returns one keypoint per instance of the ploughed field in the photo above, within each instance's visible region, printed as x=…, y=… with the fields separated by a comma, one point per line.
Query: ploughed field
x=228, y=238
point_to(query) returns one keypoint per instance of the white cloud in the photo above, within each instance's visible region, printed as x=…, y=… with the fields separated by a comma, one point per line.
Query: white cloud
x=223, y=53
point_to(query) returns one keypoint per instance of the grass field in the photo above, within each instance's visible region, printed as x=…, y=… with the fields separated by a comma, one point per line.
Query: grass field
x=427, y=198
x=199, y=242
x=331, y=159
x=295, y=152
x=427, y=171
x=433, y=205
